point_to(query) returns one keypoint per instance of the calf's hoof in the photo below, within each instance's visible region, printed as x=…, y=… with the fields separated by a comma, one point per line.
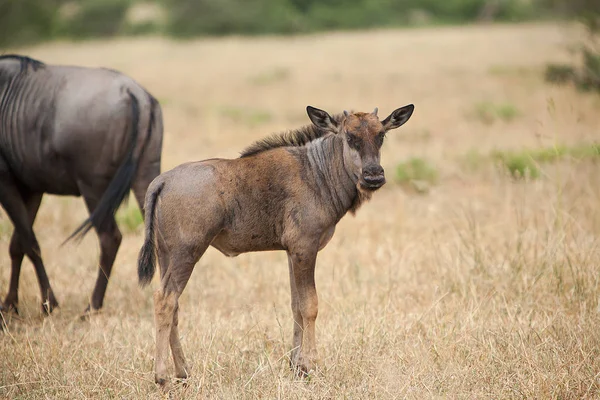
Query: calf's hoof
x=303, y=368
x=183, y=381
x=163, y=384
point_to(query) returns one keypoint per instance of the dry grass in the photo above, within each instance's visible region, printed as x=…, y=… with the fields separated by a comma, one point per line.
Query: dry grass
x=483, y=288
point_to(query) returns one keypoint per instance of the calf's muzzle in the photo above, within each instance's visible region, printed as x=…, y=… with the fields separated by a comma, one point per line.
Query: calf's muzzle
x=373, y=176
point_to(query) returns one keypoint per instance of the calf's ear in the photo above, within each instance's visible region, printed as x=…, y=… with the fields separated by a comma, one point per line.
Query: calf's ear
x=322, y=119
x=398, y=117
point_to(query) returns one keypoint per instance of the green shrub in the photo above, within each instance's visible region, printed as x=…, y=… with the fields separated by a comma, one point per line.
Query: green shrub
x=245, y=116
x=274, y=75
x=189, y=18
x=417, y=173
x=488, y=112
x=586, y=77
x=473, y=160
x=26, y=21
x=559, y=73
x=94, y=18
x=129, y=217
x=521, y=166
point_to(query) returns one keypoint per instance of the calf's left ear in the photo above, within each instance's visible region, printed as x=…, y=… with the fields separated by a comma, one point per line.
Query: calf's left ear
x=322, y=119
x=398, y=117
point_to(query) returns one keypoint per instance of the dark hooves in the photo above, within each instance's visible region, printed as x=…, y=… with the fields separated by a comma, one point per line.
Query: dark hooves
x=300, y=371
x=9, y=307
x=49, y=305
x=2, y=321
x=89, y=312
x=6, y=309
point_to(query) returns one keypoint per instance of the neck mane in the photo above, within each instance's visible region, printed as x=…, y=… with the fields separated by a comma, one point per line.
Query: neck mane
x=294, y=138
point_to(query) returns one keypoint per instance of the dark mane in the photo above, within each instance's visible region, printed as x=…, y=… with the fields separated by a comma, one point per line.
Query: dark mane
x=296, y=138
x=25, y=61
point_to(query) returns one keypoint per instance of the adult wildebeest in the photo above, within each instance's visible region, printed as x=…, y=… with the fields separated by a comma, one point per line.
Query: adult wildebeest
x=286, y=192
x=74, y=131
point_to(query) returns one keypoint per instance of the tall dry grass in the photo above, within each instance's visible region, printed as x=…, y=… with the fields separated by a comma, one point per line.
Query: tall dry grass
x=483, y=288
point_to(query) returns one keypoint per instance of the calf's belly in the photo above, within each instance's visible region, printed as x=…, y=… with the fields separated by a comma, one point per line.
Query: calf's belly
x=232, y=244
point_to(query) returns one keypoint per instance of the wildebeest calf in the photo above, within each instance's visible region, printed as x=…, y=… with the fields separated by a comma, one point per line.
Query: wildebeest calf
x=286, y=192
x=69, y=130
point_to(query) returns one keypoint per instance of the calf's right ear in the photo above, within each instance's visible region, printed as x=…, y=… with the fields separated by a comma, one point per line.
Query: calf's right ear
x=322, y=119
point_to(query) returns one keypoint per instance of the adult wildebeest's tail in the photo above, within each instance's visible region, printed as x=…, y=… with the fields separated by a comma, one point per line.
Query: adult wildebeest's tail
x=120, y=185
x=147, y=257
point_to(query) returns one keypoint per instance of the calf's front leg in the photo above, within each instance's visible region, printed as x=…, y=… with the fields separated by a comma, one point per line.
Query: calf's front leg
x=303, y=274
x=298, y=322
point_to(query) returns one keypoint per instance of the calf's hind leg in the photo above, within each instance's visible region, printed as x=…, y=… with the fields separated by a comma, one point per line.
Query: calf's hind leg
x=166, y=313
x=181, y=368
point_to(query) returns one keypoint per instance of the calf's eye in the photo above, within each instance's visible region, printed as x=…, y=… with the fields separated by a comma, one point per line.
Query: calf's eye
x=353, y=142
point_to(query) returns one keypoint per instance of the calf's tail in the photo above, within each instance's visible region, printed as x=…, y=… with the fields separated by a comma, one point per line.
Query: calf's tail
x=147, y=256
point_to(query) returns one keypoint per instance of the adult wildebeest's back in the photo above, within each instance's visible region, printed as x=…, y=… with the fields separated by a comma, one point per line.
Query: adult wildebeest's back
x=76, y=131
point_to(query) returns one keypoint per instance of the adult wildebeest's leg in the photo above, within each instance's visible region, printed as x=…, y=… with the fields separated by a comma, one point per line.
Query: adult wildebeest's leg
x=303, y=265
x=110, y=238
x=16, y=251
x=14, y=204
x=298, y=324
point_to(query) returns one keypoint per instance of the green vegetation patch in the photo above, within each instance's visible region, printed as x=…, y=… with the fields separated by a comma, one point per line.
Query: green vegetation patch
x=585, y=72
x=271, y=76
x=490, y=112
x=417, y=173
x=526, y=163
x=31, y=21
x=245, y=116
x=129, y=218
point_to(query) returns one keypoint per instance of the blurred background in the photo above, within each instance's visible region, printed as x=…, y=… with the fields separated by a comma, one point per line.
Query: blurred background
x=473, y=273
x=30, y=21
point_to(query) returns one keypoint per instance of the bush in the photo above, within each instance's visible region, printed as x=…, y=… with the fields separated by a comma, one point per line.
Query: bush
x=189, y=18
x=525, y=163
x=417, y=174
x=587, y=77
x=129, y=218
x=521, y=166
x=488, y=112
x=94, y=18
x=26, y=21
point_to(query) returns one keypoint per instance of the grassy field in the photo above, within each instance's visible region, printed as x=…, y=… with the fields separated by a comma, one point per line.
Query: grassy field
x=476, y=285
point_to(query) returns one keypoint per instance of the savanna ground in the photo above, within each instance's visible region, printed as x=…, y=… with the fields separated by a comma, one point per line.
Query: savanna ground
x=484, y=286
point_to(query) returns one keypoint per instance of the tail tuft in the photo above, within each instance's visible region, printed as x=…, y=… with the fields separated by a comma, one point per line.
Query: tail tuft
x=147, y=257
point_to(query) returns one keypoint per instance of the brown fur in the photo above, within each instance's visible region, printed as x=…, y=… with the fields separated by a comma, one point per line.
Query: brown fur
x=277, y=196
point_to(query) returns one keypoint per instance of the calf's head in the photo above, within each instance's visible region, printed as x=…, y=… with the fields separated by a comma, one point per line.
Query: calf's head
x=363, y=136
